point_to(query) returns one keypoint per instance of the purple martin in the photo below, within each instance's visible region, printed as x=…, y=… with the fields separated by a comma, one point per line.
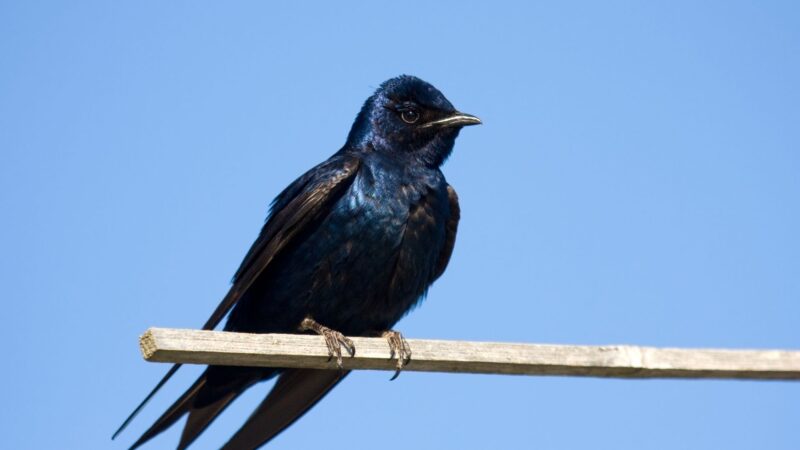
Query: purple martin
x=347, y=250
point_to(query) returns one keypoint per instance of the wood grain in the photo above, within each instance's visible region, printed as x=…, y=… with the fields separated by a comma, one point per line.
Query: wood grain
x=618, y=361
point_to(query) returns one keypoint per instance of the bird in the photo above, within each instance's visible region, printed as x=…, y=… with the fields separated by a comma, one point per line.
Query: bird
x=347, y=249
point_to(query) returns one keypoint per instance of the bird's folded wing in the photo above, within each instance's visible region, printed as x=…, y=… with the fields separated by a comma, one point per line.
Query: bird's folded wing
x=299, y=208
x=451, y=228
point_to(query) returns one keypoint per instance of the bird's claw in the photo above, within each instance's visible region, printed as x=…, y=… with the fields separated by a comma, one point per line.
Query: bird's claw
x=398, y=346
x=334, y=340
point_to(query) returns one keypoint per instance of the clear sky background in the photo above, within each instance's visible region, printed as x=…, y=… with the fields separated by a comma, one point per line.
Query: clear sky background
x=636, y=180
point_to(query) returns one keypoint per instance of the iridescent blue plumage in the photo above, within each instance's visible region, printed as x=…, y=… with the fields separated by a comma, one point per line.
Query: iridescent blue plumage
x=352, y=244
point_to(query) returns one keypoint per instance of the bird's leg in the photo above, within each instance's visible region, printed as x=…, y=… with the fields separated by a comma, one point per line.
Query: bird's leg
x=399, y=347
x=333, y=339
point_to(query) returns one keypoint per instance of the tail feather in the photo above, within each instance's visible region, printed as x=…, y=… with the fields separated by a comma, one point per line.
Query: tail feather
x=295, y=392
x=213, y=391
x=161, y=383
x=200, y=418
x=181, y=406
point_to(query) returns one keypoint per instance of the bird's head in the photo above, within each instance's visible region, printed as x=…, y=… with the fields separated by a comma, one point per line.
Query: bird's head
x=407, y=116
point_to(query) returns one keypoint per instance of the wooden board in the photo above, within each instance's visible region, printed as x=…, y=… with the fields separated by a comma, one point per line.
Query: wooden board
x=620, y=361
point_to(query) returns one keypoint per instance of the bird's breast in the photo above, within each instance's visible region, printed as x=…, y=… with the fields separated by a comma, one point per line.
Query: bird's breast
x=386, y=235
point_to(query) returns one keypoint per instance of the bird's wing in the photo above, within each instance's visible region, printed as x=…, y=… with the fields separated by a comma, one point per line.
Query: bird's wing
x=451, y=228
x=297, y=209
x=295, y=392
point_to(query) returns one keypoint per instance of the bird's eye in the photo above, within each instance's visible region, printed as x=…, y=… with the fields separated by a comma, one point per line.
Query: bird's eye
x=409, y=116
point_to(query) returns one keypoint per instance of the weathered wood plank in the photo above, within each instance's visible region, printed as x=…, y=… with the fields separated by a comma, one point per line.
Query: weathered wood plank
x=620, y=361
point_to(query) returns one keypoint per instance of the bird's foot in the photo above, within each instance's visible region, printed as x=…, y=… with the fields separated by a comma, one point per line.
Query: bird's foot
x=333, y=339
x=399, y=347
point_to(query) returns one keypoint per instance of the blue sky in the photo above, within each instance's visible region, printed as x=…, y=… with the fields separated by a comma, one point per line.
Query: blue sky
x=636, y=180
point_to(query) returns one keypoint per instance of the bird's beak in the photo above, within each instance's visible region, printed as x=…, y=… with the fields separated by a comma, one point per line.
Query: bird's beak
x=457, y=119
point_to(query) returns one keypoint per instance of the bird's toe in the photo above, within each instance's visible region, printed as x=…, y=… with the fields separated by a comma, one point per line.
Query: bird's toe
x=334, y=340
x=399, y=348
